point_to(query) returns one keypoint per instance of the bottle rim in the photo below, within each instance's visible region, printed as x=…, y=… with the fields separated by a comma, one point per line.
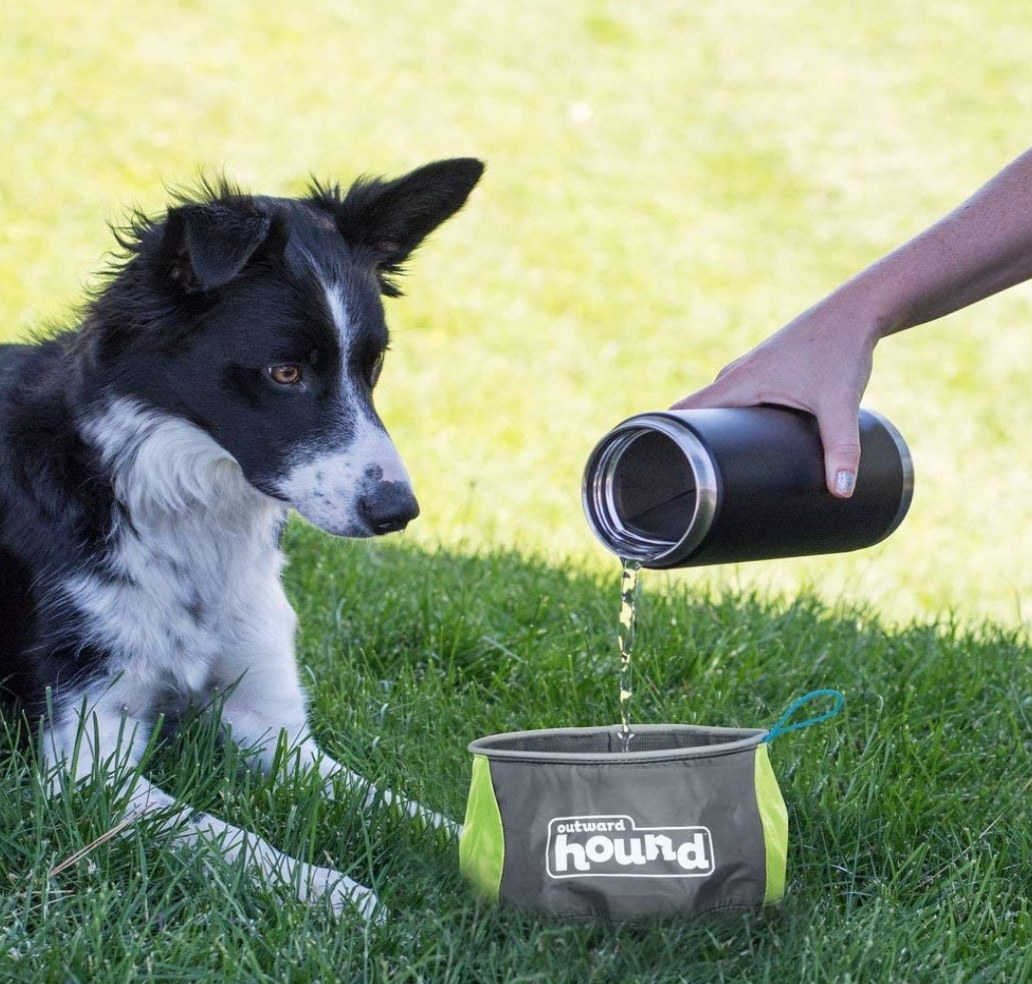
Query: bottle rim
x=601, y=500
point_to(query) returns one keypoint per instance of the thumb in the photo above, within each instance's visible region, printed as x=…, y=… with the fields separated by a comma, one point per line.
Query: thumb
x=840, y=437
x=700, y=400
x=722, y=392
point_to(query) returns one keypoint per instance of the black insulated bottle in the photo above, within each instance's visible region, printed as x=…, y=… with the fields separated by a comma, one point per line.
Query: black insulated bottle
x=686, y=488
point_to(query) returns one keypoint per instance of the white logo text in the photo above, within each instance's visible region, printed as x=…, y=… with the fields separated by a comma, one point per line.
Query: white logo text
x=612, y=846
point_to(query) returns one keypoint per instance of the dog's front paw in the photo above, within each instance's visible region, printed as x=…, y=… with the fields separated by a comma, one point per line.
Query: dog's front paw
x=343, y=894
x=423, y=814
x=438, y=821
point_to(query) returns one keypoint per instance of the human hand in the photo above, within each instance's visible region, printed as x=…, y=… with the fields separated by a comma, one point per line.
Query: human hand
x=819, y=362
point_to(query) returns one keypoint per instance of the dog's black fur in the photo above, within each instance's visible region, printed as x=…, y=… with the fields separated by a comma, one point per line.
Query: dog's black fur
x=222, y=373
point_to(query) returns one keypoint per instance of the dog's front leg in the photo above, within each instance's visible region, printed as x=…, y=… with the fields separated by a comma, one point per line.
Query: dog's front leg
x=95, y=735
x=273, y=731
x=195, y=829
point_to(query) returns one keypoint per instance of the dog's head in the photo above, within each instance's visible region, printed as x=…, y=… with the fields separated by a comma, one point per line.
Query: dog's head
x=260, y=320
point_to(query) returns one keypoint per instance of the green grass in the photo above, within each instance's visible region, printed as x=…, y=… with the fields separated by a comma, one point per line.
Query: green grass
x=909, y=836
x=668, y=182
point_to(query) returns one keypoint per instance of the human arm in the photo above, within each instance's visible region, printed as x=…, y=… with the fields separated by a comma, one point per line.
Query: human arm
x=821, y=361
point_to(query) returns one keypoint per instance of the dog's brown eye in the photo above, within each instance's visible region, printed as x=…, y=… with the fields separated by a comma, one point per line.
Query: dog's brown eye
x=289, y=375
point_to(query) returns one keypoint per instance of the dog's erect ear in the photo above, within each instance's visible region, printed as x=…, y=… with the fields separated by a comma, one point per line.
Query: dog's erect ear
x=208, y=245
x=391, y=218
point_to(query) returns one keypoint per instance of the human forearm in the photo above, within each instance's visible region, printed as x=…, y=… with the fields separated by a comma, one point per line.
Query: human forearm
x=821, y=360
x=981, y=247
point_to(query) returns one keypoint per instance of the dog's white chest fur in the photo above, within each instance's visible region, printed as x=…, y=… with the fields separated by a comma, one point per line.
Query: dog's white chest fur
x=192, y=583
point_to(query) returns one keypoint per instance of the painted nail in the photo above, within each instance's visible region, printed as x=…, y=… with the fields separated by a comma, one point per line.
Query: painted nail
x=844, y=482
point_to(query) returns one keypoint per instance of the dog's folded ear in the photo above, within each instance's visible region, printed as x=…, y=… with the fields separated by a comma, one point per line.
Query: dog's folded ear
x=391, y=218
x=209, y=244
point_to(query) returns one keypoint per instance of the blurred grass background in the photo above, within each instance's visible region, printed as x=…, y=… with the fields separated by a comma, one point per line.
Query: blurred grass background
x=668, y=183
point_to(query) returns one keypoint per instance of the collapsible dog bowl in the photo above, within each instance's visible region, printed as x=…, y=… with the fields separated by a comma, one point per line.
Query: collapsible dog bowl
x=690, y=820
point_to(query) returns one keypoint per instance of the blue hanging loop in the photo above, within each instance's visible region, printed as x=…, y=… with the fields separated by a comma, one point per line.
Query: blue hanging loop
x=782, y=727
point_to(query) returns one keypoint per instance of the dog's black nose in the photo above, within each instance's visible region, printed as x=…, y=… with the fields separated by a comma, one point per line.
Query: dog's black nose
x=389, y=507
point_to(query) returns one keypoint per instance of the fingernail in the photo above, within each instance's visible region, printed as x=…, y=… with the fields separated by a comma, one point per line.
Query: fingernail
x=844, y=482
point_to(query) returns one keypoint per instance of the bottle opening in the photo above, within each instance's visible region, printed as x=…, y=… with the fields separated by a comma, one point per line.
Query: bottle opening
x=654, y=488
x=650, y=490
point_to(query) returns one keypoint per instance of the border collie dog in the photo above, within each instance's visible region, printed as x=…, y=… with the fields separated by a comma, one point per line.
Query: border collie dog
x=223, y=374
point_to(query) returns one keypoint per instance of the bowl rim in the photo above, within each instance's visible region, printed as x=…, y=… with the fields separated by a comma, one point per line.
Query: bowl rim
x=737, y=740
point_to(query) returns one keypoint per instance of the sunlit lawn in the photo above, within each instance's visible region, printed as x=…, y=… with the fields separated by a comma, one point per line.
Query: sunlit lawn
x=667, y=183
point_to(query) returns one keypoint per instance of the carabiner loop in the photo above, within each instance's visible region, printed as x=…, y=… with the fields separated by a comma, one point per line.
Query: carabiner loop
x=782, y=727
